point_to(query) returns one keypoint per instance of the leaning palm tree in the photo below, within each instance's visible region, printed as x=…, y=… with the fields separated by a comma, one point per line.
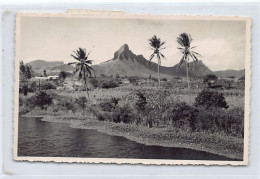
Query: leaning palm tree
x=83, y=65
x=156, y=45
x=184, y=40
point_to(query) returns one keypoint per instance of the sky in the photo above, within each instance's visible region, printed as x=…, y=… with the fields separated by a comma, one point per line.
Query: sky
x=221, y=43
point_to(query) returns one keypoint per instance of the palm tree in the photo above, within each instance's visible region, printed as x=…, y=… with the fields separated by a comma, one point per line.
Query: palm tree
x=184, y=40
x=83, y=65
x=156, y=45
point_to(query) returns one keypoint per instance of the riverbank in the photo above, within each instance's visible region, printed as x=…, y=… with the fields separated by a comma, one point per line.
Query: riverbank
x=222, y=145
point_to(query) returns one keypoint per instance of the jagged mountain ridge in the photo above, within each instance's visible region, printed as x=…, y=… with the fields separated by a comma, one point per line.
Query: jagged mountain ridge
x=126, y=63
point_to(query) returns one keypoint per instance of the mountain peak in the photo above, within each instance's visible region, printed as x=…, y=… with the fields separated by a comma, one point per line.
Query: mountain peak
x=124, y=53
x=124, y=47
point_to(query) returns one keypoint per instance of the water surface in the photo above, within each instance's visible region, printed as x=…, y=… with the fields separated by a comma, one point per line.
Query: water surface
x=50, y=139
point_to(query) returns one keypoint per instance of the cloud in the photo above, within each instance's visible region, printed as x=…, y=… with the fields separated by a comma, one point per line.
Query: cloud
x=221, y=54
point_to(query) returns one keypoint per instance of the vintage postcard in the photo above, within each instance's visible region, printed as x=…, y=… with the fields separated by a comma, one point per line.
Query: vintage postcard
x=136, y=89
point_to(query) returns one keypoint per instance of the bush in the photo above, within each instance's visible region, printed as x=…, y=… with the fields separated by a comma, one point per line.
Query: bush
x=164, y=79
x=32, y=86
x=230, y=122
x=133, y=79
x=81, y=102
x=47, y=86
x=109, y=84
x=123, y=114
x=183, y=115
x=141, y=102
x=66, y=105
x=40, y=99
x=208, y=98
x=109, y=104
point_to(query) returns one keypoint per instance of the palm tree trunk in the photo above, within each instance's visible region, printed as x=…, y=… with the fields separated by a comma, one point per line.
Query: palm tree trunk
x=159, y=73
x=187, y=72
x=85, y=80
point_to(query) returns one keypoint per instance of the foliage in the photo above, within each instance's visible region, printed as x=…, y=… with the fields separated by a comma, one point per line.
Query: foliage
x=109, y=84
x=94, y=82
x=81, y=102
x=182, y=113
x=63, y=75
x=209, y=77
x=40, y=99
x=33, y=86
x=83, y=66
x=210, y=98
x=26, y=72
x=157, y=46
x=164, y=79
x=47, y=86
x=141, y=102
x=123, y=114
x=109, y=104
x=215, y=120
x=44, y=73
x=184, y=40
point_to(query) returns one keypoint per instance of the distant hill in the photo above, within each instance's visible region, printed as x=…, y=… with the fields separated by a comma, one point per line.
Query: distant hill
x=126, y=63
x=41, y=64
x=228, y=73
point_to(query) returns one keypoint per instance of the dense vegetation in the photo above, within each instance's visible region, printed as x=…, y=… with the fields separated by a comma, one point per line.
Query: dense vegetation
x=152, y=108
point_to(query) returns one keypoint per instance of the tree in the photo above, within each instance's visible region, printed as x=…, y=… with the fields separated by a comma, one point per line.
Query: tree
x=209, y=78
x=83, y=65
x=156, y=45
x=44, y=73
x=25, y=74
x=184, y=40
x=63, y=75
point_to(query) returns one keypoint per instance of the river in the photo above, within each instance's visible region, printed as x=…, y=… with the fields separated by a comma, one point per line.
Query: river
x=50, y=139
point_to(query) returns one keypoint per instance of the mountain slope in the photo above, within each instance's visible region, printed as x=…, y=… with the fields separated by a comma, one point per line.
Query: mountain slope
x=228, y=73
x=41, y=64
x=126, y=63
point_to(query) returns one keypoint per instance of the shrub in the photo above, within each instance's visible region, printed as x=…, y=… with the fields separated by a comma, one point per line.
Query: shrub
x=100, y=117
x=164, y=79
x=230, y=122
x=47, y=86
x=183, y=115
x=82, y=102
x=123, y=114
x=133, y=79
x=141, y=102
x=93, y=82
x=109, y=104
x=210, y=98
x=32, y=86
x=109, y=84
x=63, y=75
x=66, y=105
x=40, y=99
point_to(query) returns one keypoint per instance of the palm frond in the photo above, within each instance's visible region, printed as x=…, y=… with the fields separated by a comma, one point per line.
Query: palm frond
x=75, y=57
x=180, y=63
x=150, y=59
x=196, y=59
x=197, y=53
x=72, y=63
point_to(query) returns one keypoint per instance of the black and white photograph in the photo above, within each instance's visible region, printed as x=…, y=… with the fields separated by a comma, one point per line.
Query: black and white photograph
x=138, y=89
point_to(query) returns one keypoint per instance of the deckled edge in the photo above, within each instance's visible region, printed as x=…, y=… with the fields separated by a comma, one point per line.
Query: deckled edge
x=112, y=14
